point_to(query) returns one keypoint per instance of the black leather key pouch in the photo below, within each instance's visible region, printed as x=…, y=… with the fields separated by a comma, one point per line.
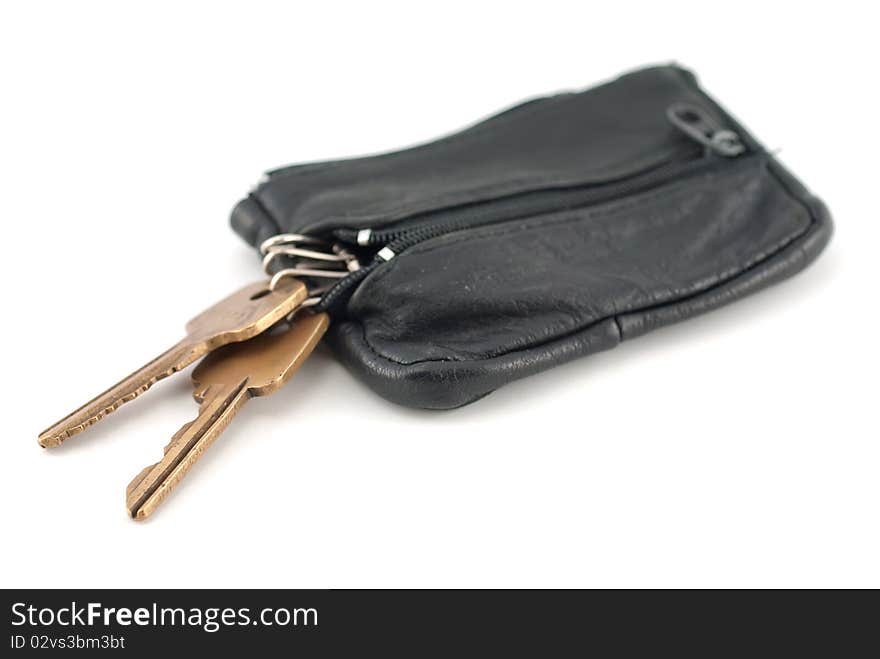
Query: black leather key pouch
x=550, y=231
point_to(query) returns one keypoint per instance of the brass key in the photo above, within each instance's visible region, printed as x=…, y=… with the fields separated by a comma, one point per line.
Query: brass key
x=239, y=317
x=223, y=381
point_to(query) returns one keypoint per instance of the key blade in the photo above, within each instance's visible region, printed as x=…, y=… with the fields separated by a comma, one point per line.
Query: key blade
x=169, y=362
x=241, y=316
x=150, y=487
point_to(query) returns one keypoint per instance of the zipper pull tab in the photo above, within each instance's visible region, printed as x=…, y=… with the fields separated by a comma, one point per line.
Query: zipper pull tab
x=694, y=122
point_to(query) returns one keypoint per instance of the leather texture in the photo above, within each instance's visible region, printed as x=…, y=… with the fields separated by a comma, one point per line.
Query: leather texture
x=551, y=231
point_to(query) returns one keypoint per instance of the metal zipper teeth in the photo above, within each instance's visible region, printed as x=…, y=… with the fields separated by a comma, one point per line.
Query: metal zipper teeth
x=545, y=201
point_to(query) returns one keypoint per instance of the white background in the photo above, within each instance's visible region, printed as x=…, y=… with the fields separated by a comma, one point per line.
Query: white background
x=737, y=449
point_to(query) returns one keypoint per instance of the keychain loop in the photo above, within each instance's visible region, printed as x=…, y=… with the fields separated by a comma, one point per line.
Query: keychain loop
x=289, y=238
x=321, y=260
x=285, y=250
x=305, y=272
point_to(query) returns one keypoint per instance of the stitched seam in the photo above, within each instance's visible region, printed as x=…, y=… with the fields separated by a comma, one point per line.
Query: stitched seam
x=558, y=336
x=524, y=109
x=470, y=133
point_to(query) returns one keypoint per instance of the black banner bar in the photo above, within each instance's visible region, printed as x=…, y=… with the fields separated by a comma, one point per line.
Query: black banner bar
x=544, y=623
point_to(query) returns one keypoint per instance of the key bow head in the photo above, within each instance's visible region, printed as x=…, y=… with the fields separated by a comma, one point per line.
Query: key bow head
x=267, y=361
x=247, y=312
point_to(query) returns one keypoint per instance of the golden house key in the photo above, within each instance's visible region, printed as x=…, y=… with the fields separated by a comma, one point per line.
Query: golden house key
x=223, y=381
x=241, y=316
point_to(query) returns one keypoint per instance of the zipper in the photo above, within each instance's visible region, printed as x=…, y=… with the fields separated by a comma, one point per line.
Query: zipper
x=707, y=136
x=700, y=127
x=709, y=140
x=408, y=232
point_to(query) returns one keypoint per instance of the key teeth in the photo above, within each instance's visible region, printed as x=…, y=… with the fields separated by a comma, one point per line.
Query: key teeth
x=137, y=480
x=51, y=437
x=56, y=439
x=142, y=504
x=136, y=507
